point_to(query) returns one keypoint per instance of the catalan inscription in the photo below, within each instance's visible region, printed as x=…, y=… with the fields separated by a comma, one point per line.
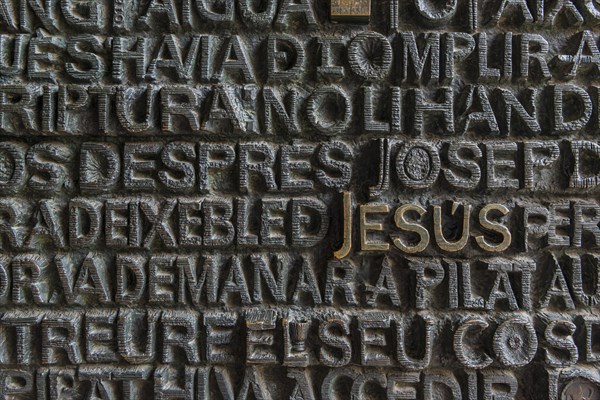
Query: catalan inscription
x=299, y=199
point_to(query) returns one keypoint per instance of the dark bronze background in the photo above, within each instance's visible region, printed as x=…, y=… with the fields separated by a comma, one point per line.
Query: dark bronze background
x=296, y=199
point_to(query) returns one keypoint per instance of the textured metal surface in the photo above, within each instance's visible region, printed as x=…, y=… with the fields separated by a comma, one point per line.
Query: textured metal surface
x=299, y=199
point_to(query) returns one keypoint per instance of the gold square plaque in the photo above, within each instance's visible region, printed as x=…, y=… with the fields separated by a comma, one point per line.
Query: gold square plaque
x=350, y=10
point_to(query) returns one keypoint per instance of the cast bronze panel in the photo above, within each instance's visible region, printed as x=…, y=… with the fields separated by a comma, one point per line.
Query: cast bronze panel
x=299, y=199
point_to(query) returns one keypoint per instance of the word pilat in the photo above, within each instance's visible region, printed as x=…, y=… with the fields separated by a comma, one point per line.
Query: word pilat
x=197, y=383
x=247, y=280
x=299, y=199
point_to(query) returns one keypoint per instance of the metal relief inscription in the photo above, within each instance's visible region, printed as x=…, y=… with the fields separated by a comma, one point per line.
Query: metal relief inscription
x=299, y=199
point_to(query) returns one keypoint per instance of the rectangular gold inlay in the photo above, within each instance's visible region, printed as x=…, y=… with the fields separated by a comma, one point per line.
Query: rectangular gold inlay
x=350, y=10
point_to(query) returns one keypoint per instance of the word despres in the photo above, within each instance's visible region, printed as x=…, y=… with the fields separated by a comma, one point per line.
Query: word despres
x=256, y=167
x=299, y=199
